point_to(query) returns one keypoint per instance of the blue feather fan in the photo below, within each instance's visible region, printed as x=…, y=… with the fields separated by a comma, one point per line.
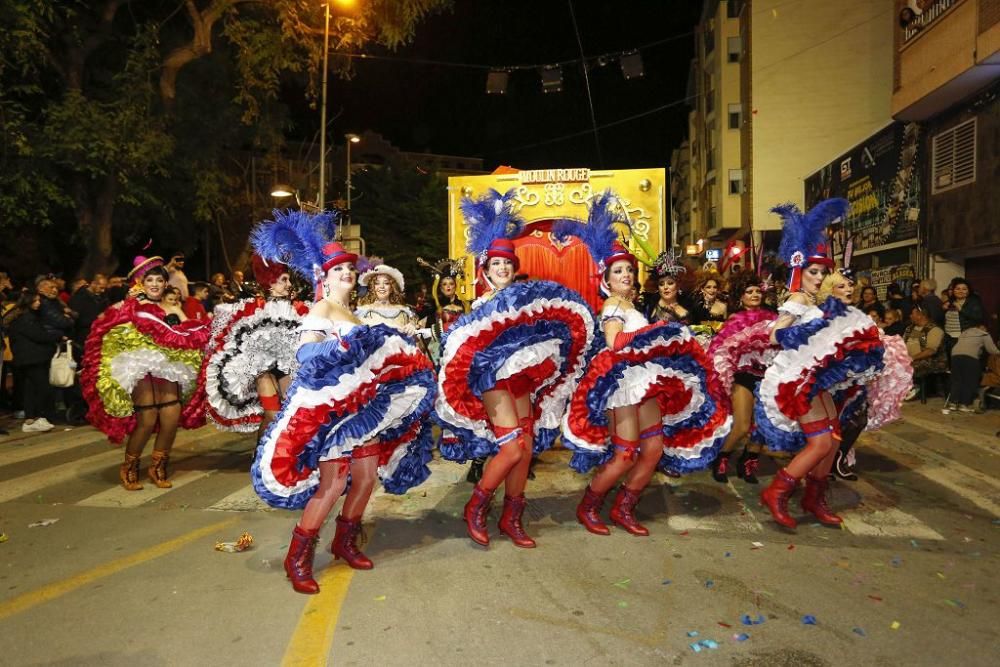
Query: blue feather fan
x=295, y=238
x=806, y=232
x=489, y=218
x=599, y=233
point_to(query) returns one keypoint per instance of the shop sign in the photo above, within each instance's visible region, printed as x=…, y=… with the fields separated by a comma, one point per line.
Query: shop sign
x=881, y=180
x=580, y=175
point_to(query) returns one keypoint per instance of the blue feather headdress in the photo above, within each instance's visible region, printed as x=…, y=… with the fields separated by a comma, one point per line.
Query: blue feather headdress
x=803, y=235
x=599, y=233
x=295, y=238
x=489, y=218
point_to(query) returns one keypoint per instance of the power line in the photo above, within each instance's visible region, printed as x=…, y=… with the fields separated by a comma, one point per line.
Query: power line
x=620, y=121
x=586, y=78
x=511, y=68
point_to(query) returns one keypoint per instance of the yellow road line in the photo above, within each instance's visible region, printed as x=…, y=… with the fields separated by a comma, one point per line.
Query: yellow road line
x=52, y=591
x=313, y=636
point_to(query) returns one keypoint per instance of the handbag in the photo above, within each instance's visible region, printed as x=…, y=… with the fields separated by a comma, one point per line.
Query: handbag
x=62, y=371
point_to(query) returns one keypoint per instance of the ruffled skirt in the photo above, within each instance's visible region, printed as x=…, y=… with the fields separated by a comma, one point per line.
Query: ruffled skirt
x=531, y=338
x=743, y=345
x=255, y=337
x=831, y=353
x=373, y=389
x=664, y=362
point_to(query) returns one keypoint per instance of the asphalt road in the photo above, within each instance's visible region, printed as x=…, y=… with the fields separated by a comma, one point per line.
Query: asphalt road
x=133, y=579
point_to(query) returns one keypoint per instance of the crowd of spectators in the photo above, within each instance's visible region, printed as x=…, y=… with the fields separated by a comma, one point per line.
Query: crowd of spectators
x=38, y=315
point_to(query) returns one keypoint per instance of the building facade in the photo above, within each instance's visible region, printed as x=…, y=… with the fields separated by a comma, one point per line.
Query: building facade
x=946, y=67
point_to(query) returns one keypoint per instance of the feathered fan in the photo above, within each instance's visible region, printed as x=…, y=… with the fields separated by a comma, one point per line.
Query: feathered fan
x=489, y=218
x=295, y=238
x=806, y=232
x=599, y=233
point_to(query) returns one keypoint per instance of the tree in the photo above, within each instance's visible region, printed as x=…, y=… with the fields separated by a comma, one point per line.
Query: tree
x=401, y=212
x=95, y=111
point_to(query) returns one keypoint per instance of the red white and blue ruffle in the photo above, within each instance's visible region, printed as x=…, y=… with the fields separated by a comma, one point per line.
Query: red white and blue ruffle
x=371, y=387
x=665, y=362
x=743, y=345
x=836, y=350
x=533, y=337
x=249, y=338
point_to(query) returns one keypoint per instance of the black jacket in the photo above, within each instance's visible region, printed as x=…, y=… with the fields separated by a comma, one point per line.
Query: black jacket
x=54, y=317
x=88, y=307
x=30, y=342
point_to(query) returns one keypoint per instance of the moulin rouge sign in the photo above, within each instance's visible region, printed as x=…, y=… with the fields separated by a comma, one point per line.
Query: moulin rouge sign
x=580, y=175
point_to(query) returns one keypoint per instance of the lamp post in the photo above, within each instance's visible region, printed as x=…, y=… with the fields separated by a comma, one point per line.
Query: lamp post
x=351, y=139
x=321, y=201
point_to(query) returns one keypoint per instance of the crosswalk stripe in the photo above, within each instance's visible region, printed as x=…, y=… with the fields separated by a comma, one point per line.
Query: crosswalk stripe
x=24, y=450
x=876, y=516
x=987, y=443
x=963, y=480
x=244, y=500
x=60, y=474
x=733, y=516
x=118, y=496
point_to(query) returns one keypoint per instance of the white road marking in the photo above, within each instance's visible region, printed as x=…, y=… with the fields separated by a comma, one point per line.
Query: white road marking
x=244, y=500
x=877, y=516
x=117, y=496
x=987, y=443
x=978, y=488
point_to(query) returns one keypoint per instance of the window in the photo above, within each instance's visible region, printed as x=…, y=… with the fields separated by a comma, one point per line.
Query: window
x=953, y=157
x=709, y=37
x=735, y=181
x=734, y=47
x=735, y=116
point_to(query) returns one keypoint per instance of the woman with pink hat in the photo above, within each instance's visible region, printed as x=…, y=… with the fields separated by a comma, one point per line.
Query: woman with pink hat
x=140, y=371
x=652, y=388
x=356, y=410
x=507, y=368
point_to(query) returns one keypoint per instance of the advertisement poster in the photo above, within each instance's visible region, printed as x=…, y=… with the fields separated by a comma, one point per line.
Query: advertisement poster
x=881, y=179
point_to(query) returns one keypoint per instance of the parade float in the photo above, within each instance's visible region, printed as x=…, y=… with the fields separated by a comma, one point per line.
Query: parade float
x=546, y=195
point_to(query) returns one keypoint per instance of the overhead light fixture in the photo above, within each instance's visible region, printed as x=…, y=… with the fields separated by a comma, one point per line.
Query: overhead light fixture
x=282, y=190
x=496, y=82
x=552, y=79
x=353, y=138
x=631, y=65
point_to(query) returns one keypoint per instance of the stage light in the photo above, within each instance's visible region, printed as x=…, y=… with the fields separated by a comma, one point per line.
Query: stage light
x=552, y=79
x=631, y=65
x=282, y=190
x=496, y=82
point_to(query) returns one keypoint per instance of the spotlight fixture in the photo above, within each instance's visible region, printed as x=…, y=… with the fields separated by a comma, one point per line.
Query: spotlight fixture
x=496, y=82
x=631, y=65
x=552, y=79
x=282, y=190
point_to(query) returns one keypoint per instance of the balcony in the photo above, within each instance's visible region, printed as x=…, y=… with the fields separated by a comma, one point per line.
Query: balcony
x=944, y=55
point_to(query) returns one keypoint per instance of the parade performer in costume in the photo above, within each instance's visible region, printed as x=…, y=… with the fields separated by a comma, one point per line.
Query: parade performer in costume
x=709, y=307
x=866, y=407
x=825, y=347
x=668, y=308
x=250, y=359
x=384, y=302
x=507, y=368
x=449, y=307
x=357, y=408
x=140, y=371
x=652, y=387
x=741, y=352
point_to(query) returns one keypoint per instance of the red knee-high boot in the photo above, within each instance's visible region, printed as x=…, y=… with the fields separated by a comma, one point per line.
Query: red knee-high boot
x=345, y=545
x=814, y=501
x=299, y=561
x=775, y=498
x=510, y=521
x=622, y=511
x=588, y=512
x=475, y=515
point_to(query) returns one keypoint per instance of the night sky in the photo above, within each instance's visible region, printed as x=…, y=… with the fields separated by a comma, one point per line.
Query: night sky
x=432, y=108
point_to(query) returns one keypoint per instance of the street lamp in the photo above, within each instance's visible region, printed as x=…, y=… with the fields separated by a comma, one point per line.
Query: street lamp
x=351, y=139
x=321, y=201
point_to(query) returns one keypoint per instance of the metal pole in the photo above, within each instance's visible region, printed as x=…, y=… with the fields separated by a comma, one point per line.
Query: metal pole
x=320, y=198
x=348, y=177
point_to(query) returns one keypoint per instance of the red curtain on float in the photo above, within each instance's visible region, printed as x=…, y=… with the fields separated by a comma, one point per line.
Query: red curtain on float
x=569, y=264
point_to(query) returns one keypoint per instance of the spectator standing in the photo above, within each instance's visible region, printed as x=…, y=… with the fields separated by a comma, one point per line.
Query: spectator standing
x=117, y=289
x=6, y=287
x=238, y=288
x=175, y=267
x=930, y=301
x=894, y=299
x=218, y=291
x=33, y=344
x=194, y=305
x=56, y=316
x=962, y=310
x=88, y=303
x=894, y=324
x=869, y=301
x=966, y=365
